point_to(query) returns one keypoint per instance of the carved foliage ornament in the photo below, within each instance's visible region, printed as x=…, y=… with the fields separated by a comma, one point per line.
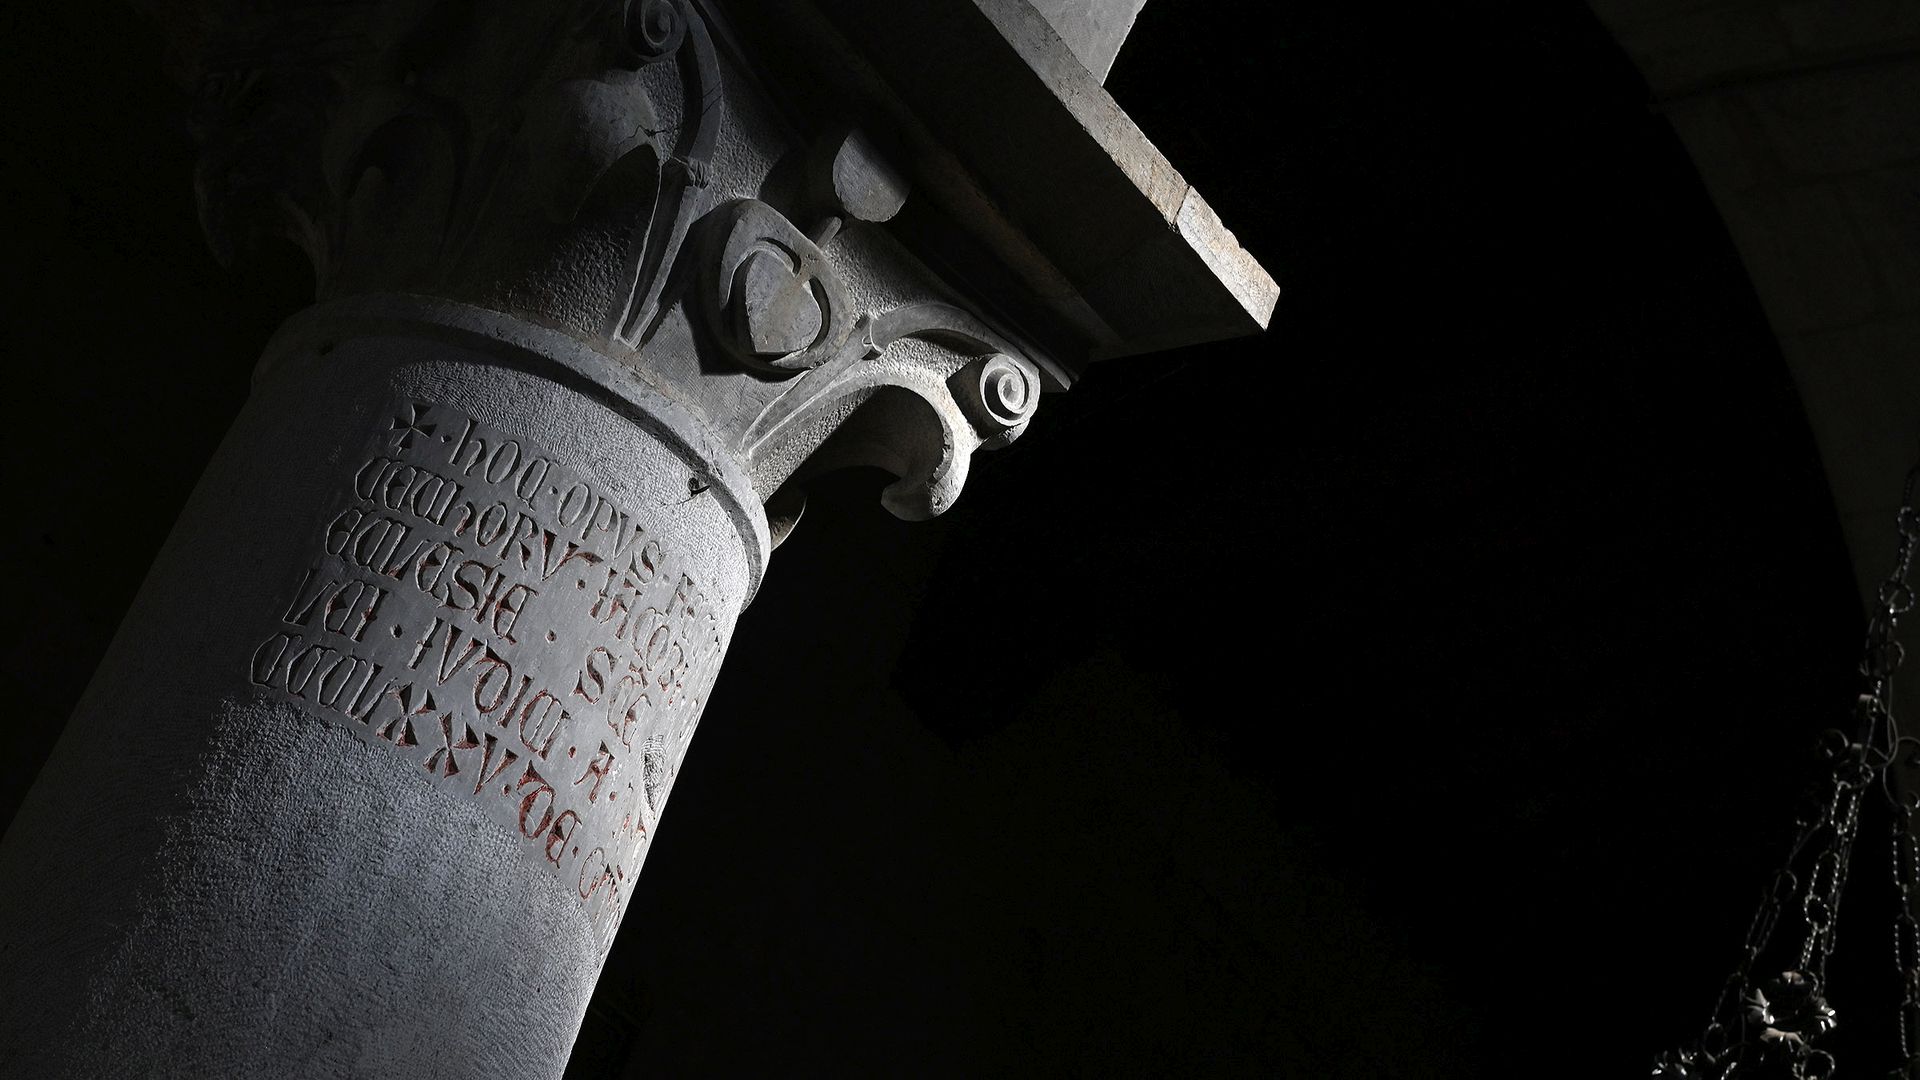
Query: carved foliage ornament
x=550, y=160
x=465, y=150
x=775, y=303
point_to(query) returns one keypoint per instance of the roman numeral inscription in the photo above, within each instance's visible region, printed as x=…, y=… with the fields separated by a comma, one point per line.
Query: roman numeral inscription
x=483, y=611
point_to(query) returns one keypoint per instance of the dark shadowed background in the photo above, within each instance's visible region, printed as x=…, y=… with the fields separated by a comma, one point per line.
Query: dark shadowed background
x=1419, y=690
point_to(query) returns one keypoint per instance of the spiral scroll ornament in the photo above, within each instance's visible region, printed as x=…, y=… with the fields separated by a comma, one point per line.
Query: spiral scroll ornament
x=998, y=394
x=1007, y=391
x=654, y=28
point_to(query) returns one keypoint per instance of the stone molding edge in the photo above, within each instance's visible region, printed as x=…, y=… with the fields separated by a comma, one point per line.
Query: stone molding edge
x=1125, y=259
x=548, y=354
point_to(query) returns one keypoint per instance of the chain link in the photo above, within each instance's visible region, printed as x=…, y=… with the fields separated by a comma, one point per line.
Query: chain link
x=1883, y=657
x=1764, y=1028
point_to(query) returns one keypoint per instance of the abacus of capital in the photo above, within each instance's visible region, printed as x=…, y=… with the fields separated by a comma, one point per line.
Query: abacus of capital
x=365, y=779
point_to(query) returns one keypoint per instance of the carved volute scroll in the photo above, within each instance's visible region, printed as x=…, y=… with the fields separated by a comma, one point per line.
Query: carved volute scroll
x=919, y=413
x=998, y=392
x=589, y=166
x=390, y=727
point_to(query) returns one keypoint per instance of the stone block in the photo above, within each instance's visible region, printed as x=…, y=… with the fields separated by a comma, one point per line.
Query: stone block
x=1799, y=246
x=1093, y=29
x=1035, y=169
x=1719, y=140
x=1821, y=26
x=1859, y=386
x=1842, y=120
x=1620, y=15
x=1688, y=50
x=1885, y=207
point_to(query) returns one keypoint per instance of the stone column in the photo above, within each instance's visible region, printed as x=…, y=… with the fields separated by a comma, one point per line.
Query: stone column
x=380, y=745
x=366, y=777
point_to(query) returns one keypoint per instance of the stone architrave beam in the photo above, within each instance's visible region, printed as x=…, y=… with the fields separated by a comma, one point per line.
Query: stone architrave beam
x=1093, y=29
x=365, y=779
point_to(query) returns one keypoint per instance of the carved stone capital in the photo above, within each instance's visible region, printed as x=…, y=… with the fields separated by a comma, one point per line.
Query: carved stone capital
x=544, y=159
x=617, y=172
x=392, y=723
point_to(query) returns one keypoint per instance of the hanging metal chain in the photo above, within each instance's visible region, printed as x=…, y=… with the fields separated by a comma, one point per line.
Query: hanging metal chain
x=1884, y=655
x=1765, y=1029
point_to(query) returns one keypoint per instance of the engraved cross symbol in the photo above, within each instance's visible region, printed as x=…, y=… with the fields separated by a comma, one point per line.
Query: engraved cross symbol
x=411, y=426
x=399, y=730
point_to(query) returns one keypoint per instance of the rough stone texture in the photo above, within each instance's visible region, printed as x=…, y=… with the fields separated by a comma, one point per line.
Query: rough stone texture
x=377, y=753
x=1093, y=29
x=232, y=838
x=1103, y=250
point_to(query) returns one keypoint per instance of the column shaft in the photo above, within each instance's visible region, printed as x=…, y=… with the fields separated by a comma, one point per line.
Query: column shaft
x=365, y=779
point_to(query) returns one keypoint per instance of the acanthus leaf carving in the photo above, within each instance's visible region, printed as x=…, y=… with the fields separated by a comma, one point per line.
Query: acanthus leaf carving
x=259, y=128
x=552, y=163
x=657, y=29
x=453, y=149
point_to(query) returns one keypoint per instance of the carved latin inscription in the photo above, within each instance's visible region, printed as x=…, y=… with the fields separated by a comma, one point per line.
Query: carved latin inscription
x=492, y=616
